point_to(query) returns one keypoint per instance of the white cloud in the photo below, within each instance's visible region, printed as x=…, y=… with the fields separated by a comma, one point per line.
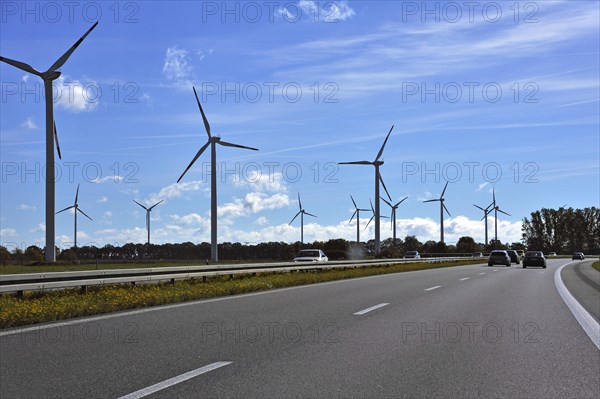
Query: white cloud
x=107, y=214
x=252, y=203
x=482, y=186
x=29, y=123
x=25, y=207
x=175, y=190
x=8, y=232
x=102, y=200
x=262, y=182
x=114, y=179
x=312, y=11
x=25, y=78
x=40, y=228
x=176, y=67
x=75, y=96
x=261, y=221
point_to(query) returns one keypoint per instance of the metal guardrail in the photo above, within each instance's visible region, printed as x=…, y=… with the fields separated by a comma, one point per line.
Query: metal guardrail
x=59, y=280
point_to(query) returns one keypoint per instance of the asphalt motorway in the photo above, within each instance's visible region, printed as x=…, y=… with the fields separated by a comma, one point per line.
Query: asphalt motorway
x=469, y=331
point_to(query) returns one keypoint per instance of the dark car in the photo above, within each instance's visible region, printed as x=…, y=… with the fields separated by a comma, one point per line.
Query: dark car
x=412, y=255
x=578, y=255
x=534, y=258
x=514, y=256
x=498, y=257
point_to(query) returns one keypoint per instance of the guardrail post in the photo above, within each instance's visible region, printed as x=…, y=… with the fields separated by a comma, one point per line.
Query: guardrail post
x=204, y=279
x=20, y=294
x=83, y=289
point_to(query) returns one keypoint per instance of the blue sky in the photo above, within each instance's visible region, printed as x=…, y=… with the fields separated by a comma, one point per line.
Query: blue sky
x=500, y=95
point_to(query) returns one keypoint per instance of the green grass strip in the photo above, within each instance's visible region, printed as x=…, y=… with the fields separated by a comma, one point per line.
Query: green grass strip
x=47, y=306
x=596, y=265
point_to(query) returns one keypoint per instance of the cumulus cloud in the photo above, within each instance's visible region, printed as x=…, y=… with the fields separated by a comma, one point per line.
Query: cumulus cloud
x=29, y=123
x=105, y=179
x=175, y=190
x=176, y=67
x=75, y=96
x=252, y=203
x=40, y=228
x=8, y=232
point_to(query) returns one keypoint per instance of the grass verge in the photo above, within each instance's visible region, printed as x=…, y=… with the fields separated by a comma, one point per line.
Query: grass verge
x=596, y=265
x=46, y=306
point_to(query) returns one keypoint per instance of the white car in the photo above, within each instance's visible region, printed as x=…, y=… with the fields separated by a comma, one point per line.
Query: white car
x=412, y=255
x=311, y=255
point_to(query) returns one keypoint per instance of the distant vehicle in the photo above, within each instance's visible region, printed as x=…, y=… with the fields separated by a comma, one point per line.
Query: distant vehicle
x=521, y=253
x=311, y=255
x=552, y=254
x=578, y=255
x=534, y=258
x=412, y=255
x=514, y=256
x=477, y=255
x=498, y=257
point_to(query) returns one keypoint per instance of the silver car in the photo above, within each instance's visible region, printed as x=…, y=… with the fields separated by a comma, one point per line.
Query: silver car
x=311, y=255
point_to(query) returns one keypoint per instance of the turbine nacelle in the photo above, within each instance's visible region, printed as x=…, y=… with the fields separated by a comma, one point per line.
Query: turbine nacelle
x=50, y=75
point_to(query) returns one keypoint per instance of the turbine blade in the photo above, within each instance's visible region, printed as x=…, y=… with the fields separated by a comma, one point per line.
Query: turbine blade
x=356, y=207
x=310, y=214
x=295, y=217
x=494, y=195
x=299, y=202
x=21, y=65
x=66, y=55
x=206, y=125
x=140, y=205
x=354, y=214
x=369, y=222
x=235, y=145
x=84, y=214
x=356, y=163
x=372, y=209
x=446, y=209
x=477, y=206
x=384, y=143
x=504, y=212
x=386, y=201
x=194, y=160
x=155, y=205
x=431, y=200
x=56, y=141
x=66, y=209
x=384, y=187
x=77, y=194
x=401, y=201
x=445, y=187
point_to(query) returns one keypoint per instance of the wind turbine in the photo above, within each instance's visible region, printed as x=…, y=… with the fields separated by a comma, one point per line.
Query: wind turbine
x=486, y=211
x=393, y=217
x=357, y=213
x=48, y=76
x=301, y=212
x=75, y=206
x=212, y=141
x=376, y=212
x=148, y=210
x=442, y=209
x=496, y=209
x=373, y=217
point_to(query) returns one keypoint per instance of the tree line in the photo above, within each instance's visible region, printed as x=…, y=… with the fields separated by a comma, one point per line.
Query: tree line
x=563, y=230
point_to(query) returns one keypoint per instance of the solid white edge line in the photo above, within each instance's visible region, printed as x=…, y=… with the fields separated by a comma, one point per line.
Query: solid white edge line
x=172, y=381
x=367, y=310
x=464, y=278
x=433, y=288
x=587, y=322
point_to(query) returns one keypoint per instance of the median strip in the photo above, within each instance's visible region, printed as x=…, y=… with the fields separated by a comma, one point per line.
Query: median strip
x=367, y=310
x=173, y=381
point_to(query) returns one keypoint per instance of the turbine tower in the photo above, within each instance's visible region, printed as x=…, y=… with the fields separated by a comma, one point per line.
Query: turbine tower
x=496, y=209
x=76, y=209
x=486, y=211
x=148, y=210
x=393, y=216
x=376, y=163
x=442, y=209
x=212, y=141
x=48, y=76
x=357, y=213
x=301, y=212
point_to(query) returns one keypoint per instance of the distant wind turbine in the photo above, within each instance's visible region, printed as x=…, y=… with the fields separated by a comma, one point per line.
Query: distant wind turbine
x=496, y=209
x=212, y=141
x=357, y=214
x=301, y=212
x=486, y=211
x=76, y=209
x=51, y=74
x=148, y=210
x=442, y=209
x=376, y=212
x=373, y=217
x=393, y=216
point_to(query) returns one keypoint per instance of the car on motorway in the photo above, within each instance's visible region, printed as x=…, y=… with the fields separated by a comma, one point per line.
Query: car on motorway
x=551, y=253
x=534, y=258
x=499, y=257
x=477, y=255
x=412, y=255
x=578, y=255
x=514, y=256
x=311, y=255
